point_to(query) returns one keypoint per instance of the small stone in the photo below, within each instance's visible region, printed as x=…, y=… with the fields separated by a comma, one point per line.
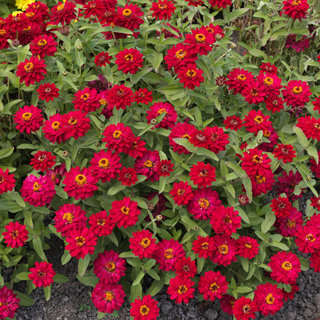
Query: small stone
x=211, y=314
x=167, y=307
x=317, y=301
x=192, y=314
x=291, y=316
x=308, y=313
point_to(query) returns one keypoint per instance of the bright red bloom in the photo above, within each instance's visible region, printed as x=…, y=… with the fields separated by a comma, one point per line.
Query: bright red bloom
x=185, y=267
x=109, y=267
x=296, y=93
x=310, y=127
x=190, y=76
x=9, y=303
x=42, y=46
x=262, y=183
x=243, y=199
x=87, y=100
x=38, y=191
x=157, y=109
x=200, y=41
x=296, y=9
x=162, y=10
x=7, y=181
x=80, y=243
x=285, y=267
x=128, y=176
x=315, y=202
x=290, y=295
x=281, y=207
x=31, y=71
x=136, y=148
x=315, y=261
x=63, y=13
x=274, y=103
x=220, y=3
x=69, y=217
x=254, y=162
x=107, y=297
x=227, y=303
x=225, y=220
x=105, y=165
x=75, y=124
x=164, y=168
x=212, y=285
x=102, y=59
x=129, y=60
x=255, y=121
x=167, y=253
x=48, y=91
x=118, y=137
x=101, y=225
x=268, y=68
x=269, y=298
x=39, y=9
x=80, y=184
x=290, y=225
x=42, y=274
x=119, y=96
x=271, y=83
x=93, y=9
x=225, y=250
x=308, y=239
x=181, y=289
x=202, y=174
x=247, y=247
x=244, y=309
x=129, y=17
x=194, y=3
x=52, y=129
x=200, y=138
x=147, y=165
x=28, y=119
x=181, y=130
x=238, y=79
x=285, y=152
x=254, y=93
x=203, y=202
x=124, y=212
x=15, y=235
x=203, y=246
x=217, y=32
x=181, y=193
x=143, y=96
x=145, y=309
x=4, y=36
x=142, y=244
x=286, y=184
x=217, y=139
x=179, y=56
x=18, y=22
x=42, y=160
x=233, y=122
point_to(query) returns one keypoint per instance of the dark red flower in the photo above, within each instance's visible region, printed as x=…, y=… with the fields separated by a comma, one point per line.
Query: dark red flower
x=145, y=309
x=185, y=267
x=200, y=138
x=285, y=152
x=128, y=176
x=102, y=59
x=7, y=181
x=269, y=68
x=181, y=193
x=142, y=244
x=238, y=80
x=247, y=247
x=129, y=60
x=190, y=76
x=16, y=22
x=120, y=97
x=315, y=261
x=4, y=36
x=255, y=121
x=233, y=122
x=227, y=303
x=315, y=103
x=220, y=3
x=147, y=165
x=48, y=91
x=87, y=100
x=101, y=224
x=217, y=139
x=93, y=9
x=289, y=225
x=75, y=124
x=164, y=168
x=225, y=250
x=281, y=207
x=310, y=127
x=42, y=46
x=203, y=246
x=286, y=184
x=15, y=235
x=143, y=96
x=179, y=56
x=42, y=160
x=255, y=162
x=202, y=174
x=42, y=274
x=274, y=104
x=181, y=289
x=212, y=285
x=199, y=41
x=63, y=12
x=315, y=202
x=159, y=108
x=129, y=17
x=9, y=303
x=162, y=10
x=308, y=239
x=271, y=83
x=296, y=93
x=39, y=10
x=253, y=92
x=28, y=119
x=244, y=309
x=137, y=148
x=296, y=9
x=181, y=130
x=262, y=183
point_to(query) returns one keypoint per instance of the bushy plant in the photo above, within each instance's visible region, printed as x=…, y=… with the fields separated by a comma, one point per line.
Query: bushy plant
x=172, y=139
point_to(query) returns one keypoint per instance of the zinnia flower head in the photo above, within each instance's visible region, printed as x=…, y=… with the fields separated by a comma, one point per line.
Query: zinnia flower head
x=143, y=96
x=185, y=267
x=145, y=309
x=238, y=80
x=63, y=12
x=181, y=289
x=86, y=100
x=233, y=122
x=296, y=9
x=43, y=160
x=53, y=129
x=315, y=202
x=75, y=124
x=129, y=60
x=181, y=130
x=289, y=225
x=296, y=93
x=202, y=174
x=31, y=71
x=9, y=303
x=220, y=3
x=159, y=108
x=28, y=119
x=203, y=246
x=225, y=250
x=101, y=224
x=308, y=239
x=255, y=121
x=48, y=91
x=315, y=261
x=42, y=46
x=142, y=244
x=286, y=184
x=102, y=59
x=7, y=181
x=162, y=10
x=247, y=247
x=199, y=41
x=147, y=165
x=42, y=274
x=217, y=139
x=281, y=207
x=129, y=17
x=254, y=162
x=244, y=309
x=119, y=97
x=15, y=235
x=212, y=285
x=181, y=193
x=254, y=93
x=227, y=303
x=284, y=152
x=190, y=76
x=128, y=176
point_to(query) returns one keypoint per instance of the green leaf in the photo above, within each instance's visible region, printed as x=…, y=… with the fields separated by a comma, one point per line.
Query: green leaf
x=37, y=244
x=138, y=279
x=242, y=214
x=236, y=13
x=28, y=217
x=116, y=188
x=137, y=76
x=153, y=274
x=66, y=257
x=156, y=286
x=90, y=280
x=240, y=172
x=47, y=292
x=149, y=264
x=4, y=153
x=59, y=278
x=301, y=137
x=25, y=300
x=23, y=275
x=279, y=245
x=245, y=264
x=136, y=291
x=268, y=222
x=83, y=265
x=244, y=289
x=61, y=193
x=313, y=152
x=127, y=254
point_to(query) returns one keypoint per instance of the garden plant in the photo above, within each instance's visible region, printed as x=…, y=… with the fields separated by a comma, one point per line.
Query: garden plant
x=163, y=139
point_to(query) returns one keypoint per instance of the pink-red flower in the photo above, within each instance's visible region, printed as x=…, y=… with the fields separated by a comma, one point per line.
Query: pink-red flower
x=296, y=93
x=179, y=56
x=296, y=9
x=227, y=303
x=225, y=250
x=181, y=193
x=255, y=121
x=202, y=174
x=308, y=239
x=220, y=3
x=190, y=76
x=102, y=59
x=247, y=247
x=143, y=96
x=7, y=181
x=15, y=235
x=212, y=285
x=43, y=160
x=254, y=162
x=315, y=261
x=245, y=309
x=199, y=41
x=128, y=176
x=9, y=303
x=48, y=91
x=181, y=130
x=254, y=92
x=75, y=124
x=101, y=224
x=170, y=118
x=238, y=80
x=119, y=97
x=42, y=274
x=145, y=309
x=63, y=12
x=203, y=246
x=43, y=45
x=28, y=119
x=162, y=10
x=142, y=244
x=129, y=16
x=181, y=289
x=129, y=60
x=233, y=122
x=281, y=207
x=53, y=130
x=315, y=202
x=185, y=267
x=284, y=152
x=147, y=165
x=164, y=168
x=87, y=100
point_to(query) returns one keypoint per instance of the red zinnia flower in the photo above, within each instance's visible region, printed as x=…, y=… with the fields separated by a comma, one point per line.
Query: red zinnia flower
x=28, y=119
x=281, y=207
x=31, y=71
x=7, y=181
x=296, y=9
x=42, y=160
x=253, y=92
x=286, y=184
x=105, y=165
x=48, y=91
x=143, y=96
x=120, y=97
x=269, y=68
x=53, y=131
x=227, y=303
x=63, y=13
x=18, y=22
x=129, y=17
x=308, y=239
x=101, y=225
x=271, y=83
x=185, y=267
x=274, y=104
x=93, y=9
x=9, y=303
x=316, y=103
x=238, y=80
x=136, y=148
x=102, y=59
x=315, y=201
x=42, y=46
x=128, y=176
x=109, y=266
x=167, y=253
x=57, y=173
x=310, y=127
x=145, y=309
x=164, y=168
x=244, y=309
x=262, y=183
x=142, y=244
x=129, y=60
x=225, y=220
x=157, y=109
x=202, y=174
x=179, y=56
x=285, y=152
x=42, y=274
x=162, y=10
x=220, y=3
x=4, y=36
x=190, y=76
x=212, y=285
x=315, y=261
x=75, y=124
x=181, y=193
x=243, y=199
x=255, y=121
x=16, y=235
x=107, y=297
x=247, y=247
x=289, y=226
x=194, y=3
x=285, y=267
x=199, y=41
x=203, y=246
x=225, y=250
x=80, y=243
x=69, y=217
x=296, y=93
x=181, y=130
x=124, y=212
x=217, y=139
x=200, y=138
x=87, y=100
x=147, y=165
x=181, y=289
x=38, y=191
x=233, y=122
x=80, y=184
x=255, y=162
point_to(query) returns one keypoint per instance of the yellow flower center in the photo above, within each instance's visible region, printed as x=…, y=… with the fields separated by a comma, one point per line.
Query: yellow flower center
x=73, y=121
x=80, y=241
x=55, y=125
x=144, y=310
x=85, y=96
x=129, y=57
x=248, y=245
x=310, y=237
x=182, y=289
x=241, y=77
x=145, y=243
x=268, y=81
x=2, y=31
x=297, y=90
x=168, y=254
x=287, y=265
x=80, y=179
x=109, y=296
x=256, y=159
x=186, y=136
x=26, y=116
x=291, y=224
x=205, y=245
x=162, y=6
x=36, y=186
x=28, y=67
x=60, y=7
x=148, y=164
x=104, y=163
x=180, y=54
x=42, y=43
x=181, y=192
x=191, y=73
x=127, y=12
x=223, y=249
x=214, y=287
x=14, y=234
x=258, y=119
x=117, y=134
x=125, y=210
x=203, y=203
x=270, y=299
x=260, y=179
x=200, y=38
x=246, y=309
x=68, y=216
x=110, y=266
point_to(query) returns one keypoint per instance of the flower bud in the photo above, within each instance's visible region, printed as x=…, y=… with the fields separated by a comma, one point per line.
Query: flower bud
x=260, y=141
x=65, y=73
x=195, y=228
x=149, y=18
x=159, y=217
x=292, y=67
x=218, y=37
x=79, y=48
x=240, y=61
x=309, y=178
x=15, y=43
x=153, y=121
x=34, y=142
x=233, y=45
x=270, y=15
x=65, y=153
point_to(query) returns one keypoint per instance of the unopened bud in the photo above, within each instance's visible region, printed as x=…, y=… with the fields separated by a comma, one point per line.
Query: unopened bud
x=240, y=61
x=270, y=15
x=260, y=141
x=65, y=73
x=218, y=37
x=292, y=67
x=153, y=121
x=79, y=48
x=15, y=43
x=159, y=217
x=34, y=142
x=309, y=178
x=149, y=18
x=195, y=228
x=233, y=45
x=98, y=143
x=65, y=153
